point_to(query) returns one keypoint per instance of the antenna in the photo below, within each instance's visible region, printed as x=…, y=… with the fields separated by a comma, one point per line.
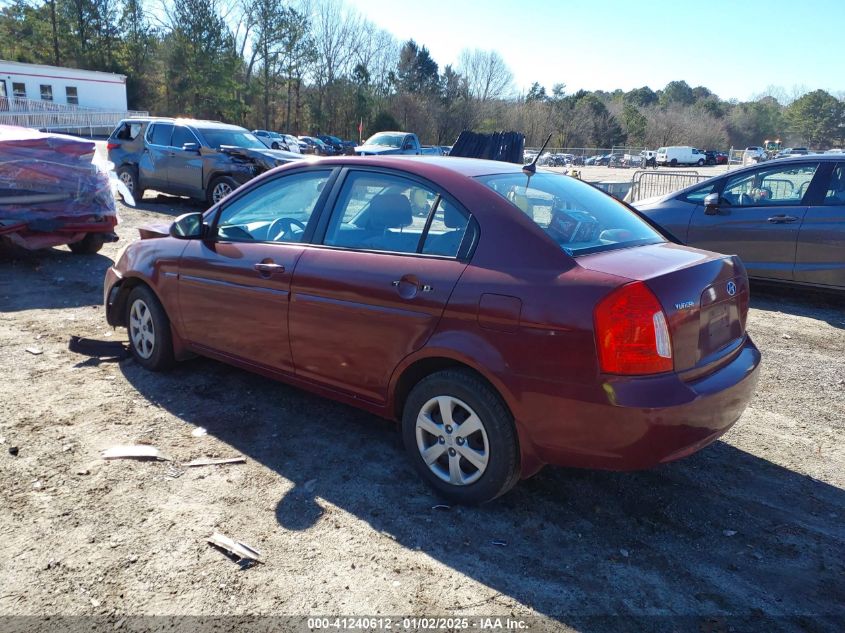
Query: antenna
x=531, y=168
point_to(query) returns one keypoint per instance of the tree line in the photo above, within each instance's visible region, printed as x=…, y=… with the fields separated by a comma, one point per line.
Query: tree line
x=320, y=67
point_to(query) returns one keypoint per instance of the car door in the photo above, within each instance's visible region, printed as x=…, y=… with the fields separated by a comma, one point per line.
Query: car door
x=758, y=218
x=375, y=289
x=184, y=166
x=152, y=167
x=820, y=256
x=234, y=286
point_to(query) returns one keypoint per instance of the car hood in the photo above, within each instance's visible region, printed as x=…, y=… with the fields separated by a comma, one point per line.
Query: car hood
x=268, y=156
x=647, y=203
x=377, y=149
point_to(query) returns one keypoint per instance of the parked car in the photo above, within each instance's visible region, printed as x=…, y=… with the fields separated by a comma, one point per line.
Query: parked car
x=390, y=143
x=520, y=322
x=785, y=219
x=338, y=144
x=317, y=146
x=792, y=151
x=756, y=153
x=335, y=143
x=712, y=157
x=273, y=140
x=277, y=140
x=206, y=160
x=51, y=193
x=674, y=155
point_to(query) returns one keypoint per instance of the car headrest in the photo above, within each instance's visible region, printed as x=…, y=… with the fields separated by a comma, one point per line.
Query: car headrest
x=389, y=211
x=453, y=218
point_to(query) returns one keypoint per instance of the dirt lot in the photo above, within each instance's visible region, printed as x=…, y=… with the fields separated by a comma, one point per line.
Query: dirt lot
x=747, y=535
x=619, y=174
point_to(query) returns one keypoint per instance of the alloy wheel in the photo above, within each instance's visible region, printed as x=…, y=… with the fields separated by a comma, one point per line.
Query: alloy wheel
x=220, y=191
x=126, y=179
x=141, y=329
x=452, y=440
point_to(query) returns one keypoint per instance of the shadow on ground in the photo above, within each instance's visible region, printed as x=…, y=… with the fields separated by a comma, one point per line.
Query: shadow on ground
x=807, y=302
x=729, y=540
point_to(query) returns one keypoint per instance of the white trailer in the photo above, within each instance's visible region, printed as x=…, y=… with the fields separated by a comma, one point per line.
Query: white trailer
x=66, y=86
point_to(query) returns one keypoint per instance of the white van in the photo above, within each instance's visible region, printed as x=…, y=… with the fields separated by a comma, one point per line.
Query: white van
x=680, y=155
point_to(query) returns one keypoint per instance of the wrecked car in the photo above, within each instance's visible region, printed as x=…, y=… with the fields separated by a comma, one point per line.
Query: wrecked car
x=206, y=160
x=53, y=192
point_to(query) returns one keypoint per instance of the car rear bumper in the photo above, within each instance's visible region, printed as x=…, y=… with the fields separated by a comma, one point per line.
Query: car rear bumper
x=645, y=421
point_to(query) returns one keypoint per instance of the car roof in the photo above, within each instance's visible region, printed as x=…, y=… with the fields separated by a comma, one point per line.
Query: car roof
x=825, y=158
x=432, y=165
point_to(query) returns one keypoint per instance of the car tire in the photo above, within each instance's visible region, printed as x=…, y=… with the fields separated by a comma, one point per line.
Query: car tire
x=128, y=175
x=700, y=162
x=88, y=245
x=219, y=188
x=674, y=162
x=150, y=340
x=491, y=442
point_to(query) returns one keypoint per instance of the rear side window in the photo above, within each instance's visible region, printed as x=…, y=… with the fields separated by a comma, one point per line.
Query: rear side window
x=160, y=134
x=128, y=131
x=578, y=217
x=836, y=189
x=382, y=212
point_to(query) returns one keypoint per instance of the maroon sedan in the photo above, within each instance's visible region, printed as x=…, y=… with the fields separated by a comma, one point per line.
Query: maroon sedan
x=507, y=320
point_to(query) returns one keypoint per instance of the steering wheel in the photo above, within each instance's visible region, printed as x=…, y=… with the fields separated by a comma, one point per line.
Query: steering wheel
x=281, y=227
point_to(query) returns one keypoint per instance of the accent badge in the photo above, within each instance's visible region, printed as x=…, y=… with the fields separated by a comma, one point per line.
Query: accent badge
x=731, y=288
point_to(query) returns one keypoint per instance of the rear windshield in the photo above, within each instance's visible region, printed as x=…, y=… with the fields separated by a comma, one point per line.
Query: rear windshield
x=578, y=217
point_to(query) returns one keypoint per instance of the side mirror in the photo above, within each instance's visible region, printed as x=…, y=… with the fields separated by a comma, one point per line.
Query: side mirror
x=188, y=226
x=711, y=204
x=191, y=147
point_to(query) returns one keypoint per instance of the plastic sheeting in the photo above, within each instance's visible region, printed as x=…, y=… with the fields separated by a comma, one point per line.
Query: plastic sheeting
x=52, y=191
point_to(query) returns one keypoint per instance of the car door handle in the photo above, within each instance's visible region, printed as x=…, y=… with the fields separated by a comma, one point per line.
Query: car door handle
x=782, y=219
x=267, y=268
x=423, y=287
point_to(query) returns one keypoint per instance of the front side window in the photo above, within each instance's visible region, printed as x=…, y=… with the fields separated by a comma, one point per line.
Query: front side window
x=781, y=185
x=277, y=210
x=217, y=138
x=385, y=212
x=46, y=92
x=580, y=218
x=182, y=135
x=72, y=95
x=19, y=90
x=697, y=195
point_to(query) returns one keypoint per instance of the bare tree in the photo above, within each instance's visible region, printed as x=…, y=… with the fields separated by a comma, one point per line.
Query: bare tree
x=335, y=31
x=486, y=73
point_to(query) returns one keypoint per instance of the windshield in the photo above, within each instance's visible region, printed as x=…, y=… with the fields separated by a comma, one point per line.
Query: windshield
x=578, y=217
x=234, y=138
x=387, y=139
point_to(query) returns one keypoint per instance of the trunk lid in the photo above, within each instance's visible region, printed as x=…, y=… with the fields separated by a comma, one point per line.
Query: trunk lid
x=703, y=294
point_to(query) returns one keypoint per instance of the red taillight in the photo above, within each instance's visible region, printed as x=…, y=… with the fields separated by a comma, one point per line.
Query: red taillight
x=111, y=146
x=632, y=335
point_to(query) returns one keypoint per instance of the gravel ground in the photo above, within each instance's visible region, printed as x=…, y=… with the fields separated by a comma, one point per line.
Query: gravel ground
x=745, y=535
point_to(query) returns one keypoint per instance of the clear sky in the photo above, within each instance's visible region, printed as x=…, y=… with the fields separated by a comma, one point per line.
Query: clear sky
x=736, y=48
